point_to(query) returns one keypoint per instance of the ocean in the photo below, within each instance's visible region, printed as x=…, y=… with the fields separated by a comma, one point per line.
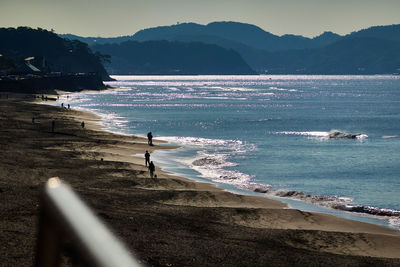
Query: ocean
x=269, y=134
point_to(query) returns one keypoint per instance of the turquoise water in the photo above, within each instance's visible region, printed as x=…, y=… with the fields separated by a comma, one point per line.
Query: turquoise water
x=269, y=133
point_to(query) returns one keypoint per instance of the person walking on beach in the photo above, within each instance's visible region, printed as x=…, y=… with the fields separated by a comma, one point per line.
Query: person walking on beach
x=147, y=158
x=83, y=124
x=53, y=124
x=151, y=169
x=150, y=139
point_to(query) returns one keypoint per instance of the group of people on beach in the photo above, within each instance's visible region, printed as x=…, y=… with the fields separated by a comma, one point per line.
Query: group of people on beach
x=151, y=166
x=147, y=160
x=68, y=106
x=53, y=122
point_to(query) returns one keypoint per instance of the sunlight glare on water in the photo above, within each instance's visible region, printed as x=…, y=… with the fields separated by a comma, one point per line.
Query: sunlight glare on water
x=271, y=132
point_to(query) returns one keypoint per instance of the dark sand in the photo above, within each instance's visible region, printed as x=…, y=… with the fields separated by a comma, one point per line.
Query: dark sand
x=169, y=221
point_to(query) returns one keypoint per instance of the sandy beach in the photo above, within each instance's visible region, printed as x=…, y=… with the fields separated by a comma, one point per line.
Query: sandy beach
x=167, y=221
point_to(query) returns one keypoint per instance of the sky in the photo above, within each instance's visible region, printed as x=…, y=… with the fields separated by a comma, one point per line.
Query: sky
x=109, y=18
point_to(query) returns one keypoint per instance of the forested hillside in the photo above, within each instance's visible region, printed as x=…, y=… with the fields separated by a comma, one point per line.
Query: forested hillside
x=50, y=52
x=172, y=58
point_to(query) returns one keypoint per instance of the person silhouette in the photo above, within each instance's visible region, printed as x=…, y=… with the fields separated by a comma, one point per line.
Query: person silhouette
x=150, y=139
x=146, y=158
x=151, y=169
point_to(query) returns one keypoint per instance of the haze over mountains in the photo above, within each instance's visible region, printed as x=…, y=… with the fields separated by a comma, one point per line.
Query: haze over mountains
x=375, y=50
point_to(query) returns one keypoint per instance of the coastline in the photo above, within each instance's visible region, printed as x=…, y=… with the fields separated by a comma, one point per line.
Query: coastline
x=293, y=199
x=330, y=204
x=168, y=220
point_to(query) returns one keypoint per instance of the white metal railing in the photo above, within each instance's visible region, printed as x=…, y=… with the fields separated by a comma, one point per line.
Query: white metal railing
x=63, y=215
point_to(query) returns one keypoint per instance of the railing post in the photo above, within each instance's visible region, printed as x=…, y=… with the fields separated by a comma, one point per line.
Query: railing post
x=49, y=241
x=64, y=215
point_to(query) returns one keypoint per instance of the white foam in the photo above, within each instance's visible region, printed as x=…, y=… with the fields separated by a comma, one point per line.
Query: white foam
x=212, y=159
x=361, y=136
x=221, y=175
x=212, y=166
x=281, y=89
x=239, y=89
x=390, y=136
x=395, y=222
x=216, y=97
x=171, y=88
x=345, y=199
x=310, y=133
x=215, y=144
x=341, y=203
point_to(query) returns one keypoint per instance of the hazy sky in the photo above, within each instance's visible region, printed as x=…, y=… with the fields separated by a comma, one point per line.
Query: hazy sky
x=125, y=17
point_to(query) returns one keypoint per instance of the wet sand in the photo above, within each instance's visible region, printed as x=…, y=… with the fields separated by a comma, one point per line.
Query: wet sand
x=168, y=221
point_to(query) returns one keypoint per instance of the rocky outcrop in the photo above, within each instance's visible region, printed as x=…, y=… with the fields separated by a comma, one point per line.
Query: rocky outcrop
x=334, y=134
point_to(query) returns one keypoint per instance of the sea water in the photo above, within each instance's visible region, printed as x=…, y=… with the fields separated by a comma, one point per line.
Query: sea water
x=270, y=134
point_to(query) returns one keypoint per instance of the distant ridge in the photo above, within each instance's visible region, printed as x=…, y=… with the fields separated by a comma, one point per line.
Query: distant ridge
x=96, y=40
x=359, y=56
x=328, y=53
x=390, y=32
x=246, y=34
x=172, y=58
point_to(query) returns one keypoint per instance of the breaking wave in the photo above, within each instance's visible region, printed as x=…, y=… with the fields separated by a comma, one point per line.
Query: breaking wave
x=212, y=159
x=311, y=133
x=332, y=134
x=214, y=167
x=335, y=202
x=281, y=89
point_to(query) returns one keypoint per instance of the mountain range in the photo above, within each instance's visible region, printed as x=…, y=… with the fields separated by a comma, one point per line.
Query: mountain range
x=375, y=50
x=172, y=58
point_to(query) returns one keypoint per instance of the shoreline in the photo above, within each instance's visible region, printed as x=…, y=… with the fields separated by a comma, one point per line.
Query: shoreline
x=306, y=202
x=333, y=205
x=168, y=220
x=95, y=123
x=219, y=186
